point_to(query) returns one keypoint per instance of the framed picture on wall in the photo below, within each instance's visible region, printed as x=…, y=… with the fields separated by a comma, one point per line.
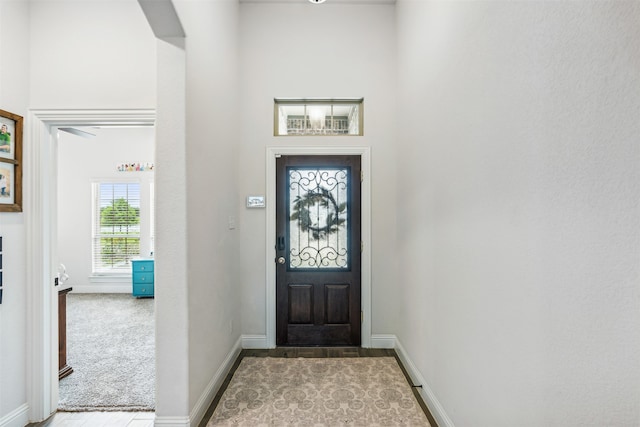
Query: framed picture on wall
x=7, y=183
x=10, y=162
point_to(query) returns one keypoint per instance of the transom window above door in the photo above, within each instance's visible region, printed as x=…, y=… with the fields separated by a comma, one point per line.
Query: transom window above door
x=318, y=117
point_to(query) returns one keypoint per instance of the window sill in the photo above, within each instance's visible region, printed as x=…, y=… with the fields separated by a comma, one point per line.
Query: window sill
x=110, y=278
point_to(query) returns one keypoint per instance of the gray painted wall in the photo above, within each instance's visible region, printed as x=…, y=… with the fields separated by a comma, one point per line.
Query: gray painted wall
x=506, y=197
x=518, y=210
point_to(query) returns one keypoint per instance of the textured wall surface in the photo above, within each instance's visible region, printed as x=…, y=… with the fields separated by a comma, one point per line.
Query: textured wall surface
x=93, y=54
x=288, y=50
x=171, y=269
x=211, y=154
x=518, y=215
x=14, y=97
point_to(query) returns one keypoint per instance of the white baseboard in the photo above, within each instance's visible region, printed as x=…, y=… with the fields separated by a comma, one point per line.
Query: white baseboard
x=383, y=341
x=214, y=385
x=19, y=417
x=425, y=391
x=254, y=341
x=172, y=421
x=103, y=289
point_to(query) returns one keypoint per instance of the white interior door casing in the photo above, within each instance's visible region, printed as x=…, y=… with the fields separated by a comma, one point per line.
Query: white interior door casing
x=272, y=154
x=40, y=181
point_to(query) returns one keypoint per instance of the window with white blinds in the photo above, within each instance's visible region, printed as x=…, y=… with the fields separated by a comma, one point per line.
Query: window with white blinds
x=116, y=229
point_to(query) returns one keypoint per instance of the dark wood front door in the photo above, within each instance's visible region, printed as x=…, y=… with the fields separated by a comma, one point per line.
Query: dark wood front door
x=318, y=247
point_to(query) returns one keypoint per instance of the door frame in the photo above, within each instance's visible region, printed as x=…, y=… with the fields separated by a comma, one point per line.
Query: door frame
x=270, y=300
x=40, y=204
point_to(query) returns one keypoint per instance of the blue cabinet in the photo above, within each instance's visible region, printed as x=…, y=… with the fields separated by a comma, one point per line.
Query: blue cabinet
x=142, y=277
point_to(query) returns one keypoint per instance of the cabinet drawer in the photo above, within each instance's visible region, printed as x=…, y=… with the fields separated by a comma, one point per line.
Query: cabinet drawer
x=142, y=266
x=143, y=278
x=140, y=290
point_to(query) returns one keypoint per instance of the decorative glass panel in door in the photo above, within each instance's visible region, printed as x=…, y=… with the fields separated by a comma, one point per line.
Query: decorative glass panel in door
x=318, y=218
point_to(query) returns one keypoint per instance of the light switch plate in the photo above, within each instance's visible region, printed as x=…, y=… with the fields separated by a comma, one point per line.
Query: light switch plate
x=255, y=202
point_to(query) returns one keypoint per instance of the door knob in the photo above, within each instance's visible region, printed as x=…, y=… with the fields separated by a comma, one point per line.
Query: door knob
x=281, y=260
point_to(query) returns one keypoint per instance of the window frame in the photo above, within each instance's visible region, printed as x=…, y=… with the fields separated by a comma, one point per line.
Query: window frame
x=96, y=252
x=278, y=102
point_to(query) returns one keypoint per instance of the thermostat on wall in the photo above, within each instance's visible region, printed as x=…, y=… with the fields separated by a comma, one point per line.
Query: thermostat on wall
x=255, y=201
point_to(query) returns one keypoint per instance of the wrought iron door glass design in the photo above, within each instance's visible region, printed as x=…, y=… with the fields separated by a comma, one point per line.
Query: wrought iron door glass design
x=318, y=212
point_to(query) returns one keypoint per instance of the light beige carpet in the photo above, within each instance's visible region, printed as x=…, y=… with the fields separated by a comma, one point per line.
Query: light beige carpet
x=367, y=391
x=111, y=348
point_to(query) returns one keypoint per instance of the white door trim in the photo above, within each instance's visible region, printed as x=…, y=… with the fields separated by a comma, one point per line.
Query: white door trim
x=272, y=154
x=40, y=206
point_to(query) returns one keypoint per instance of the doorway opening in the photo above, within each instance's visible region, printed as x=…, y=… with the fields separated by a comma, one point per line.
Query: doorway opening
x=105, y=177
x=42, y=219
x=273, y=153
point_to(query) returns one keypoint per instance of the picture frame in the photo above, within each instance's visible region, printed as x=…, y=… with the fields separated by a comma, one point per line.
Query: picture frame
x=11, y=126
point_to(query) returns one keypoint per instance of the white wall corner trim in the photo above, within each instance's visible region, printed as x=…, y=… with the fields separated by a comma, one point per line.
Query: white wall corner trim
x=383, y=341
x=427, y=394
x=254, y=341
x=16, y=418
x=198, y=411
x=275, y=152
